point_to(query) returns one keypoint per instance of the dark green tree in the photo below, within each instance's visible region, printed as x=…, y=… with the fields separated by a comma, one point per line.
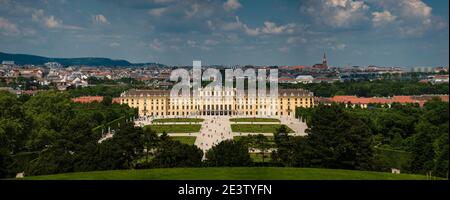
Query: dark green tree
x=261, y=143
x=285, y=151
x=339, y=140
x=228, y=153
x=172, y=153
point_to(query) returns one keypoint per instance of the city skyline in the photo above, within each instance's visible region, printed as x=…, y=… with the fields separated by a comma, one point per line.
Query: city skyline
x=351, y=32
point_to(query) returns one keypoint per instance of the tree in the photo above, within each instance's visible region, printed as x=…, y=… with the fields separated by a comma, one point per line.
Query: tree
x=150, y=140
x=172, y=153
x=300, y=150
x=423, y=152
x=339, y=140
x=57, y=158
x=228, y=153
x=5, y=160
x=129, y=141
x=50, y=112
x=261, y=142
x=284, y=153
x=107, y=100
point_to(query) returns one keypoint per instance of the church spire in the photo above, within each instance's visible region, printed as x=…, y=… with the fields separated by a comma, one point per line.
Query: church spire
x=324, y=61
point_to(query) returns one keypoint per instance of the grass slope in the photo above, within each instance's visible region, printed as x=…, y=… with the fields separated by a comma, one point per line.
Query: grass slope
x=235, y=173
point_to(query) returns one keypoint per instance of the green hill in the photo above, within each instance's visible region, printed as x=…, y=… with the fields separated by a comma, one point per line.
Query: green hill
x=231, y=173
x=23, y=59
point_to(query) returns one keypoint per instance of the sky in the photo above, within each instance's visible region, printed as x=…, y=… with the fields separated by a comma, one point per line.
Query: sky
x=232, y=32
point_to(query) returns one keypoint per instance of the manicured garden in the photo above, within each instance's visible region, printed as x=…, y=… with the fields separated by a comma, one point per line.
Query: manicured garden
x=231, y=173
x=175, y=128
x=190, y=140
x=257, y=128
x=255, y=119
x=175, y=120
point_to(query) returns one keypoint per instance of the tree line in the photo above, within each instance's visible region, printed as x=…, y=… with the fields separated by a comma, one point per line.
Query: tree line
x=378, y=88
x=418, y=134
x=47, y=134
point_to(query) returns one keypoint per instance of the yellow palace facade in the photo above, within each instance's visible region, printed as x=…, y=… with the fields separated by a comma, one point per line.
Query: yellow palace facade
x=159, y=103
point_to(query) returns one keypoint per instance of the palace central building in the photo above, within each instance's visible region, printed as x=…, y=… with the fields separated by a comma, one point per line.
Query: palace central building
x=158, y=103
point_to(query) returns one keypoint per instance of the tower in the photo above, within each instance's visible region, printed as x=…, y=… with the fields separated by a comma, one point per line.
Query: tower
x=324, y=60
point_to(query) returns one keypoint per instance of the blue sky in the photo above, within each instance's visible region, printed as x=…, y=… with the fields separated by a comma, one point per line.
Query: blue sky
x=259, y=32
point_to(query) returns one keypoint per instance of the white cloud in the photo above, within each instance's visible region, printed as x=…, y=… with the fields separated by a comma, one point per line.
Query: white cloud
x=283, y=49
x=51, y=21
x=296, y=39
x=382, y=18
x=156, y=45
x=194, y=9
x=337, y=13
x=157, y=12
x=415, y=8
x=268, y=28
x=99, y=19
x=211, y=42
x=114, y=44
x=272, y=28
x=231, y=5
x=37, y=15
x=413, y=18
x=8, y=28
x=191, y=42
x=339, y=47
x=194, y=44
x=232, y=25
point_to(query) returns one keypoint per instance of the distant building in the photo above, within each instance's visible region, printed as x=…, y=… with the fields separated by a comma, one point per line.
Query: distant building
x=88, y=99
x=226, y=102
x=53, y=65
x=7, y=62
x=324, y=65
x=305, y=79
x=364, y=102
x=326, y=79
x=286, y=80
x=440, y=79
x=31, y=73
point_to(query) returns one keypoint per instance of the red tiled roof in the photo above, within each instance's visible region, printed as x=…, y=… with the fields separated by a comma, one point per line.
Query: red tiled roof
x=116, y=100
x=383, y=100
x=441, y=76
x=87, y=99
x=358, y=100
x=286, y=79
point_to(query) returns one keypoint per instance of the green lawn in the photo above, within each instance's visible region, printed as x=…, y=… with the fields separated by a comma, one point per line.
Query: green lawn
x=255, y=119
x=176, y=128
x=190, y=140
x=169, y=120
x=236, y=173
x=256, y=128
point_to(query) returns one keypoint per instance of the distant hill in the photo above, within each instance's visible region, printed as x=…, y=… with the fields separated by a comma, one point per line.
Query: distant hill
x=23, y=59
